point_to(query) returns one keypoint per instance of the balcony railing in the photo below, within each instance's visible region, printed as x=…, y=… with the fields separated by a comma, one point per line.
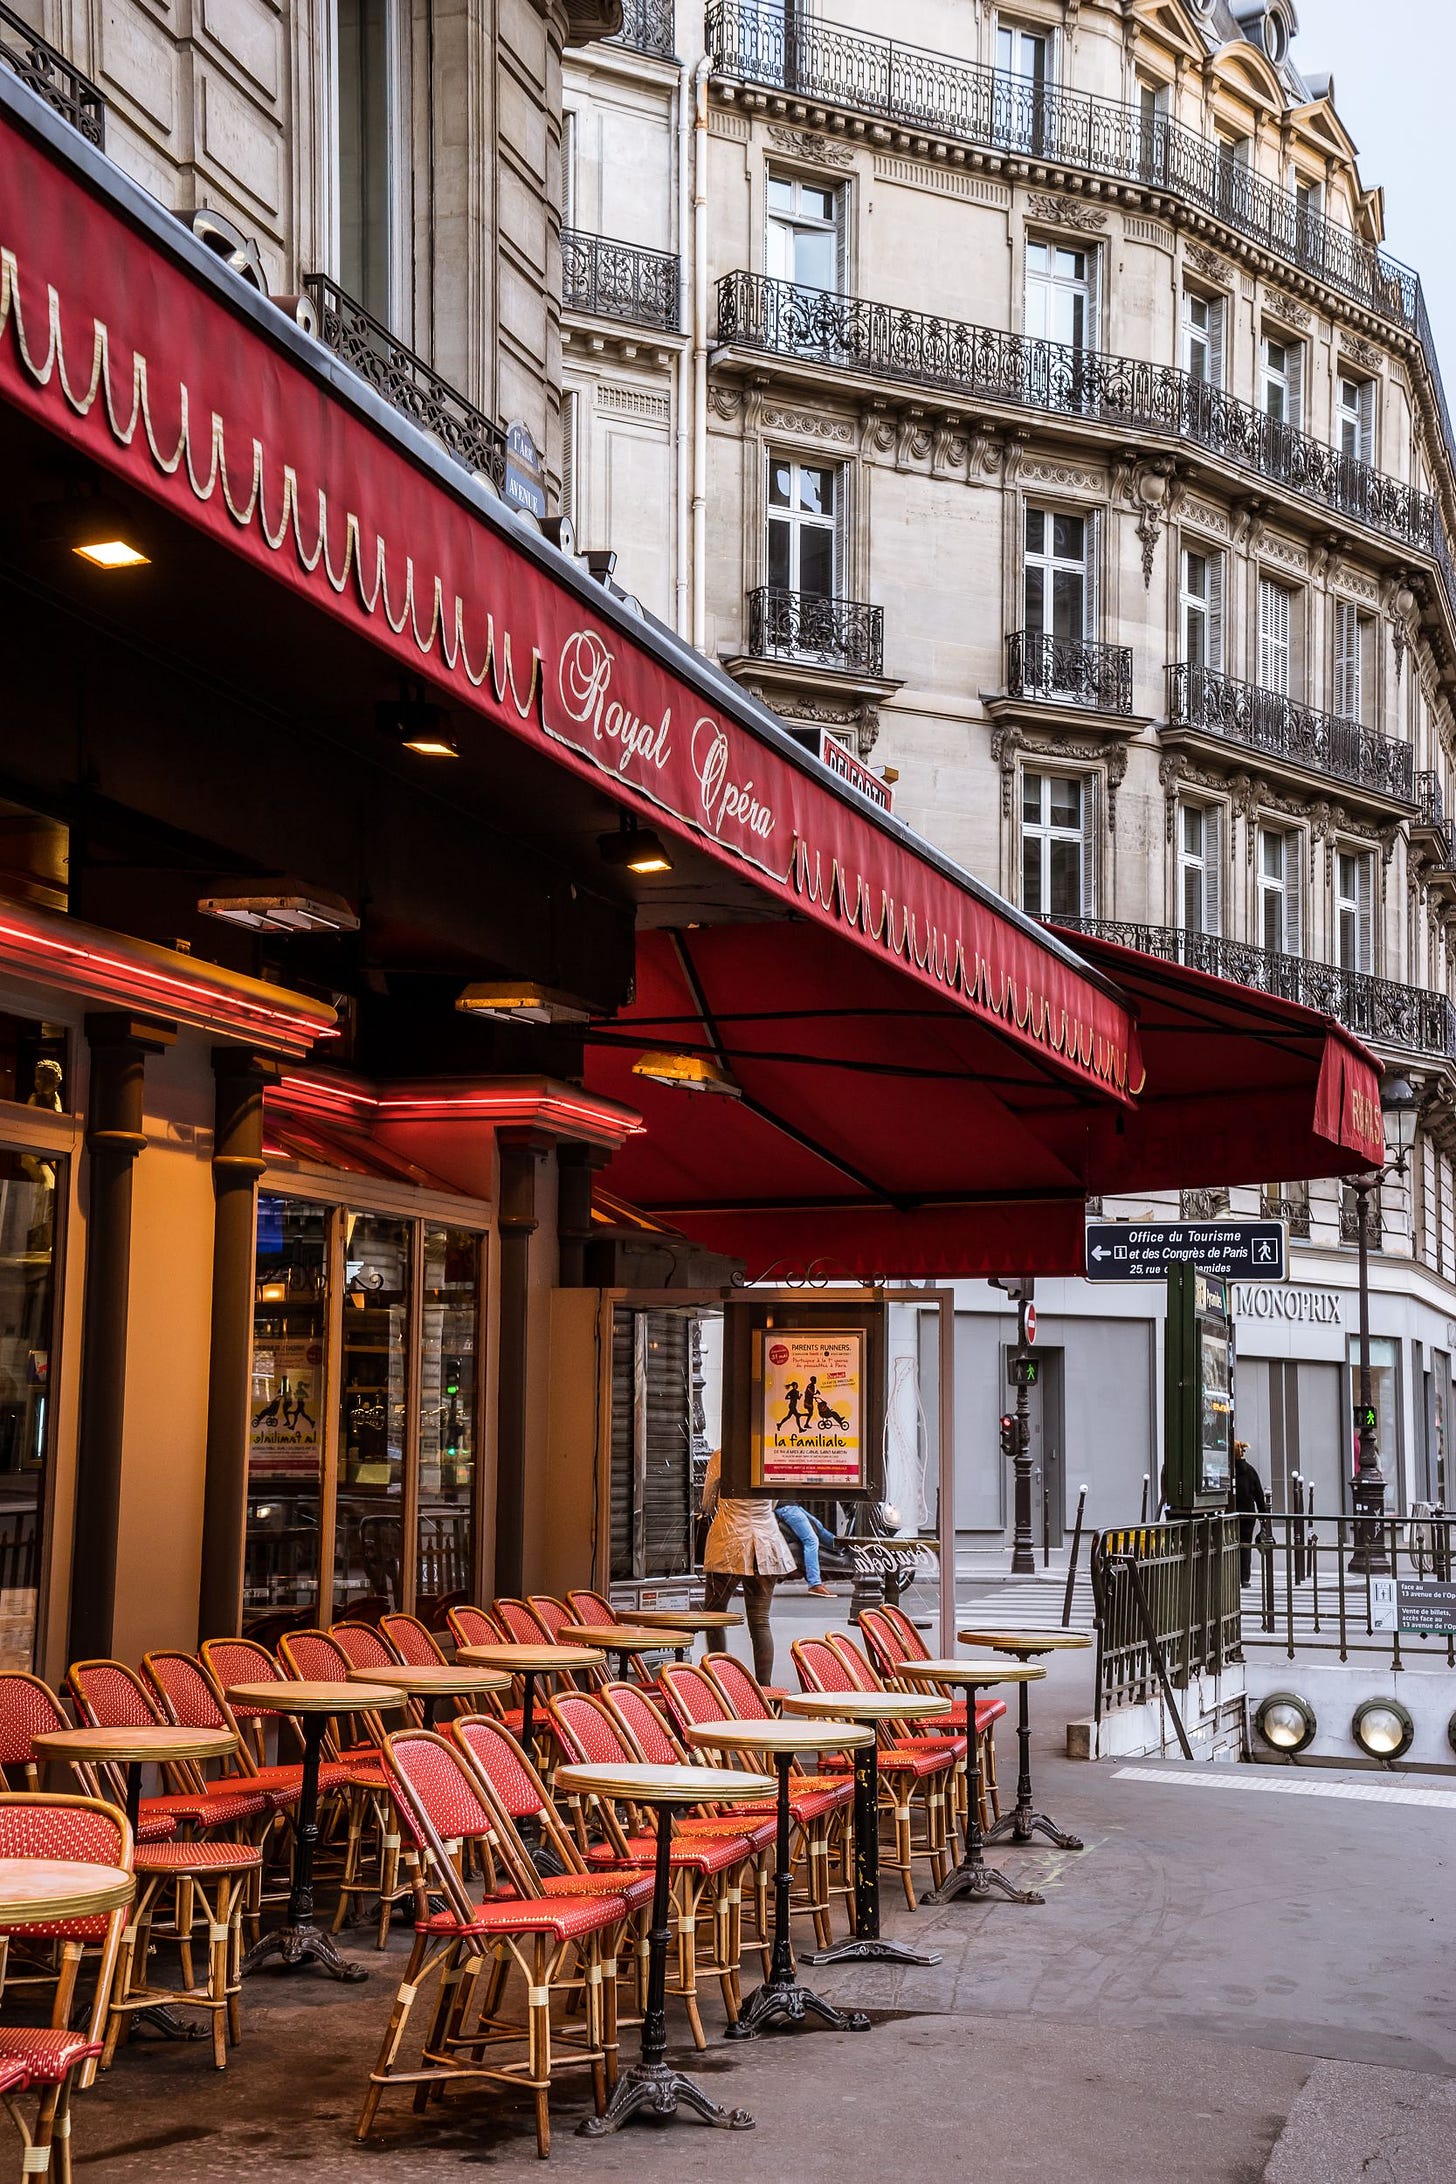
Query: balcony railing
x=648, y=27
x=850, y=334
x=1203, y=1205
x=1350, y=1226
x=791, y=625
x=1430, y=818
x=1381, y=1011
x=1262, y=720
x=1069, y=671
x=1294, y=1211
x=919, y=89
x=616, y=280
x=38, y=63
x=406, y=381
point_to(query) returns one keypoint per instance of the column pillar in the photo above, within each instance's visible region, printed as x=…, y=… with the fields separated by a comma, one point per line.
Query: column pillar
x=518, y=1154
x=239, y=1077
x=576, y=1164
x=120, y=1044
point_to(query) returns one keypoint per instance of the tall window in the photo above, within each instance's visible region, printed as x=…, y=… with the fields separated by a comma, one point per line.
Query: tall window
x=1056, y=845
x=1203, y=337
x=1354, y=661
x=1281, y=382
x=803, y=515
x=1154, y=101
x=1202, y=608
x=1275, y=636
x=1059, y=295
x=1281, y=920
x=1354, y=910
x=805, y=232
x=1200, y=868
x=1355, y=414
x=1057, y=577
x=366, y=146
x=1023, y=72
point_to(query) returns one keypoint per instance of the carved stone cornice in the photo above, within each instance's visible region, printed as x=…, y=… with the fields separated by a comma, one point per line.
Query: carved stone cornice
x=1010, y=742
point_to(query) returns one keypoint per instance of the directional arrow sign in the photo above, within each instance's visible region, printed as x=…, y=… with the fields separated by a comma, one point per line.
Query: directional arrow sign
x=1123, y=1251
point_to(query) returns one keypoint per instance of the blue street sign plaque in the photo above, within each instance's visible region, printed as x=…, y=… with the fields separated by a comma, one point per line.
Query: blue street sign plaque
x=1129, y=1251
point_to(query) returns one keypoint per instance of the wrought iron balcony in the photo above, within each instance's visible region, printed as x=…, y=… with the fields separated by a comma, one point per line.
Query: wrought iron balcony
x=788, y=51
x=406, y=381
x=1350, y=1226
x=1294, y=1211
x=620, y=280
x=1204, y=1205
x=849, y=334
x=792, y=625
x=648, y=27
x=50, y=75
x=1261, y=720
x=1069, y=671
x=1381, y=1011
x=1430, y=820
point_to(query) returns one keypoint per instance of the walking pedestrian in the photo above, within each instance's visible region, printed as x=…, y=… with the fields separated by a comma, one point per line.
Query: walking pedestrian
x=1251, y=1502
x=744, y=1547
x=811, y=1535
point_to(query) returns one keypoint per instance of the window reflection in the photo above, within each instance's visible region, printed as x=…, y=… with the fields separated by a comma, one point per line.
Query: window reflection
x=372, y=1413
x=286, y=1437
x=447, y=1415
x=28, y=1198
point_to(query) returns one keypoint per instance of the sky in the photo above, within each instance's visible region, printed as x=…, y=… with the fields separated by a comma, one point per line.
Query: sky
x=1393, y=62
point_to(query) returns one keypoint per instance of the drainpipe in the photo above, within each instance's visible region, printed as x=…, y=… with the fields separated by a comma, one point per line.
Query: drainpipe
x=237, y=1162
x=115, y=1134
x=700, y=352
x=682, y=437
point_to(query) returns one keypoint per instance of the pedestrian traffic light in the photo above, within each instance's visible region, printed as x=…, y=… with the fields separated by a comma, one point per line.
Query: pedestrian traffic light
x=1009, y=1438
x=1021, y=1372
x=1366, y=1418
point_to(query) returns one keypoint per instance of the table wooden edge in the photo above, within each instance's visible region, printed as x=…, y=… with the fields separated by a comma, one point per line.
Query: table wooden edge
x=654, y=1786
x=315, y=1698
x=826, y=1734
x=89, y=1901
x=90, y=1741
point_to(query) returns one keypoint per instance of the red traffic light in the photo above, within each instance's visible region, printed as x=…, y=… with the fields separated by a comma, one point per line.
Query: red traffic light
x=1009, y=1436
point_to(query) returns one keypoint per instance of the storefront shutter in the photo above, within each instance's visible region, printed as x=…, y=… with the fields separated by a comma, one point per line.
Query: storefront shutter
x=651, y=1501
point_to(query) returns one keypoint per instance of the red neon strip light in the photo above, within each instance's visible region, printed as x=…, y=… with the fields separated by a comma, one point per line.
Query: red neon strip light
x=446, y=1106
x=215, y=1000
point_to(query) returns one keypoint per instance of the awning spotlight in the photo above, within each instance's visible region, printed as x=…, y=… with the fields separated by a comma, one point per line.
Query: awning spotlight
x=636, y=848
x=522, y=1001
x=689, y=1072
x=1383, y=1729
x=1286, y=1722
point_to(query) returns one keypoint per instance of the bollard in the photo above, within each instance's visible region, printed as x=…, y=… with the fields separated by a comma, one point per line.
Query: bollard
x=1072, y=1564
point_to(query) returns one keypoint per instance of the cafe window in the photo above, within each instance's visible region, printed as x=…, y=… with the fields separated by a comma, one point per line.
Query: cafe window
x=32, y=1191
x=362, y=1453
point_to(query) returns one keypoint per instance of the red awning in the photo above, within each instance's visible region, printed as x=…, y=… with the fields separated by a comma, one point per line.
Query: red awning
x=875, y=1136
x=1240, y=1086
x=125, y=337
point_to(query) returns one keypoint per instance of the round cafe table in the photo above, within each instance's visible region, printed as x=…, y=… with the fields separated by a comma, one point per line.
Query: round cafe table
x=529, y=1662
x=299, y=1939
x=782, y=1995
x=623, y=1639
x=873, y=1707
x=431, y=1684
x=650, y=2084
x=973, y=1877
x=686, y=1622
x=1024, y=1822
x=132, y=1749
x=33, y=1890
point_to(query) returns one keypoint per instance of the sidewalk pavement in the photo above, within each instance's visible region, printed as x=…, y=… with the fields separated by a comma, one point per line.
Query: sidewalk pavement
x=1227, y=1984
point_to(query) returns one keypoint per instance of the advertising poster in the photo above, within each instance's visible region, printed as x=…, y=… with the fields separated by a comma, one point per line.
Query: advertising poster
x=808, y=1424
x=284, y=1436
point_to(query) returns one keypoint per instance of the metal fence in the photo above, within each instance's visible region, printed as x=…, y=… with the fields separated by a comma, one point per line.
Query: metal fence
x=1314, y=1578
x=791, y=625
x=1167, y=1604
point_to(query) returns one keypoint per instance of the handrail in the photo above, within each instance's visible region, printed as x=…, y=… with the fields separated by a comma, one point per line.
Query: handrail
x=1069, y=670
x=52, y=77
x=1262, y=720
x=883, y=340
x=922, y=89
x=647, y=27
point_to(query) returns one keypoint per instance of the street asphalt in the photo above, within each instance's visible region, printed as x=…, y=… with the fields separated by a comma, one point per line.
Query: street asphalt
x=1223, y=1986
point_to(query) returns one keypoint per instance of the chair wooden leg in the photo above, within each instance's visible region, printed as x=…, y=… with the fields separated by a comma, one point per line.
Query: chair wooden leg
x=404, y=2002
x=539, y=2033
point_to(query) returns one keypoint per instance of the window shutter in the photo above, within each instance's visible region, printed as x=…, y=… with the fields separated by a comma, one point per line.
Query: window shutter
x=1090, y=843
x=568, y=168
x=1365, y=911
x=1294, y=893
x=1216, y=309
x=1367, y=421
x=1214, y=566
x=570, y=428
x=1213, y=819
x=1295, y=354
x=1092, y=552
x=1273, y=637
x=1347, y=660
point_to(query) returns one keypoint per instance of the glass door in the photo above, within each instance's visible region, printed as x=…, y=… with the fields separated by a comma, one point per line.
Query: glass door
x=450, y=1320
x=286, y=1436
x=31, y=1190
x=373, y=1413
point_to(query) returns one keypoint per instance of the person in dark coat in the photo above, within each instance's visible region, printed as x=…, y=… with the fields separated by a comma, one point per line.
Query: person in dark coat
x=1251, y=1502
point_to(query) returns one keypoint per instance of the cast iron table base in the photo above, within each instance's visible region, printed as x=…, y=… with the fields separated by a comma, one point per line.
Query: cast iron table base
x=1023, y=1823
x=299, y=1940
x=651, y=2087
x=866, y=1944
x=782, y=1999
x=973, y=1877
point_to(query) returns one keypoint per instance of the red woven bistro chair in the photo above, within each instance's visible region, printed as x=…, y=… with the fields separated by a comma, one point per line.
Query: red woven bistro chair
x=191, y=1697
x=908, y=1772
x=708, y=1865
x=414, y=1646
x=109, y=1695
x=63, y=2055
x=363, y=1645
x=521, y=1624
x=939, y=1734
x=29, y=1709
x=591, y=1607
x=818, y=1802
x=470, y=1626
x=468, y=1945
x=884, y=1637
x=315, y=1656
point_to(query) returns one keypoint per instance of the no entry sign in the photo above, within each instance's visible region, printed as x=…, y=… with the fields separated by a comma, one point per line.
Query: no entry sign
x=1121, y=1251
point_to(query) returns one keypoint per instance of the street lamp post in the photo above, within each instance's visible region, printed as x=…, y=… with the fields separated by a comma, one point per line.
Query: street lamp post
x=1399, y=1105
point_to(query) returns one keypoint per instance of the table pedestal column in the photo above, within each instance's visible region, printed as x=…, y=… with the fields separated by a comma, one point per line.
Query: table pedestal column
x=650, y=2087
x=866, y=1943
x=298, y=1940
x=973, y=1877
x=781, y=1997
x=1023, y=1822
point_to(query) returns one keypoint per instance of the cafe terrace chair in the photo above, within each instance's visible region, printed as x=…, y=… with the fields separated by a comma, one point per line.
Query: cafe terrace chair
x=468, y=1945
x=907, y=1771
x=708, y=1866
x=414, y=1645
x=62, y=2055
x=884, y=1632
x=818, y=1802
x=29, y=1709
x=110, y=1695
x=471, y=1626
x=935, y=1734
